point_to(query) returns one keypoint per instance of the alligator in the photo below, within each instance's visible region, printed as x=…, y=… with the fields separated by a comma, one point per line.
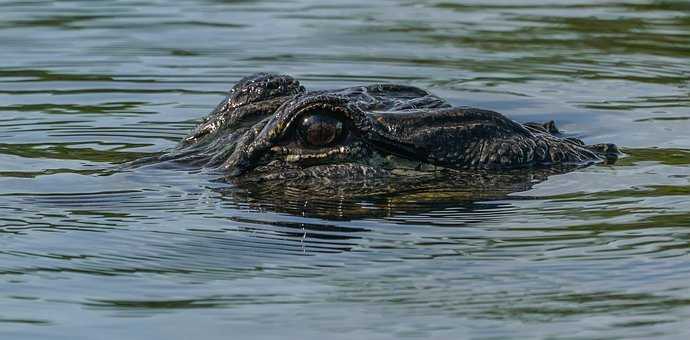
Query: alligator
x=270, y=129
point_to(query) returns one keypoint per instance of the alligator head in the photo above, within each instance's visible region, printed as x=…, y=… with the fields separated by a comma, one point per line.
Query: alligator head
x=270, y=129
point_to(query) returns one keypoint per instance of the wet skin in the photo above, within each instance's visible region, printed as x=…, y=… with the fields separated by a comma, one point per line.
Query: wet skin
x=271, y=129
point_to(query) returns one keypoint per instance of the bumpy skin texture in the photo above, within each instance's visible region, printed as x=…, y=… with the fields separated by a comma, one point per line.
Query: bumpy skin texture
x=386, y=131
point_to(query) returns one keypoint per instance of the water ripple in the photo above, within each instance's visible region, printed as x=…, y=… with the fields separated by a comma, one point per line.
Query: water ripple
x=597, y=253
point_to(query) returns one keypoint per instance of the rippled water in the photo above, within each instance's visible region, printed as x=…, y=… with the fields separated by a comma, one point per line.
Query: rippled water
x=88, y=252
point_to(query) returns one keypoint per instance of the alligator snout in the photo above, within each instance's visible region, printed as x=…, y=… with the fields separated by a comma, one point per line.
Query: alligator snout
x=469, y=138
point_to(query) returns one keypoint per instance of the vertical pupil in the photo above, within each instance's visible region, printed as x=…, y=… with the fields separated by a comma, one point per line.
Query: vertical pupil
x=320, y=130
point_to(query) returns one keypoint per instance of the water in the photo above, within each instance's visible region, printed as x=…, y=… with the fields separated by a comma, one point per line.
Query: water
x=91, y=253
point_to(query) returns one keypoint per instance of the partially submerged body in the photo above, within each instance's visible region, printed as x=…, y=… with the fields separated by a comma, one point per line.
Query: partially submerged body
x=271, y=130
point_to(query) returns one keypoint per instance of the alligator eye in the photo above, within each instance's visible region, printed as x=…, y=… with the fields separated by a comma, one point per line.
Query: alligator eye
x=321, y=130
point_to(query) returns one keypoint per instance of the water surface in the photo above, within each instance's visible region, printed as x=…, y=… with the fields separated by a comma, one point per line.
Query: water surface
x=87, y=252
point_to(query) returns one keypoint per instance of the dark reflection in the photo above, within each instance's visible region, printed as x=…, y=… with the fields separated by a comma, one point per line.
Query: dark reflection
x=383, y=197
x=474, y=196
x=667, y=156
x=156, y=304
x=465, y=200
x=64, y=21
x=44, y=75
x=72, y=151
x=104, y=108
x=26, y=321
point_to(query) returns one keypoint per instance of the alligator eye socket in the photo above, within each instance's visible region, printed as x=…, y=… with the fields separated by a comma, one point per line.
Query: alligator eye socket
x=321, y=130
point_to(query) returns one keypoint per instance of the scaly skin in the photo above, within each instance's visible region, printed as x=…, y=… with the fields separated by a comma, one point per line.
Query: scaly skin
x=388, y=131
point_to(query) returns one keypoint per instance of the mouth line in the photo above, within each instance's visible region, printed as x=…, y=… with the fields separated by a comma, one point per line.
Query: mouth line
x=354, y=156
x=293, y=156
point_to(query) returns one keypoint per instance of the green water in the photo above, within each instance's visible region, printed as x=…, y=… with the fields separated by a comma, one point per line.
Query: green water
x=91, y=253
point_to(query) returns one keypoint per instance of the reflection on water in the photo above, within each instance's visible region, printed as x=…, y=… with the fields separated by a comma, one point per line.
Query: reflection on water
x=89, y=250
